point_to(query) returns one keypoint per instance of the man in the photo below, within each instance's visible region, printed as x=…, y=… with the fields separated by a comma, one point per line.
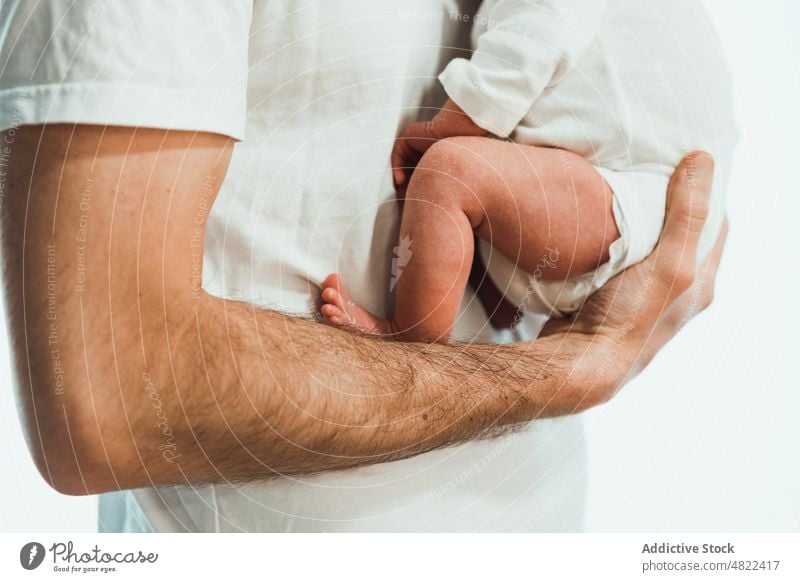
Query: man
x=222, y=412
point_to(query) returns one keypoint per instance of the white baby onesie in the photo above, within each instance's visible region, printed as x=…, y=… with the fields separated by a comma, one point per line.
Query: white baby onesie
x=630, y=85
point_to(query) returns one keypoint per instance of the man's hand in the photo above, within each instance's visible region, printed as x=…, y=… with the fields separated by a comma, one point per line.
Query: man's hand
x=628, y=321
x=415, y=139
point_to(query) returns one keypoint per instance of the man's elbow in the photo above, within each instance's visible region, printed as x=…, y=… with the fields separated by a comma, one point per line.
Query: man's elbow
x=92, y=419
x=71, y=466
x=67, y=447
x=68, y=478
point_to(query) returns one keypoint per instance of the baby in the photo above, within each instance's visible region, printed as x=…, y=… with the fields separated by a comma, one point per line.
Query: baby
x=554, y=150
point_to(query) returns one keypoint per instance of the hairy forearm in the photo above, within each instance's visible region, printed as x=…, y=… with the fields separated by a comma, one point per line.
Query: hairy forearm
x=130, y=375
x=222, y=391
x=295, y=396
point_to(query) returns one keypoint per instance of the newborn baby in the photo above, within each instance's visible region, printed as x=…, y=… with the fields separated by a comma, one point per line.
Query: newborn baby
x=554, y=151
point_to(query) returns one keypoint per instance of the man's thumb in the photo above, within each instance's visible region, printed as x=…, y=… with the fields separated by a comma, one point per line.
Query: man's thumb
x=687, y=209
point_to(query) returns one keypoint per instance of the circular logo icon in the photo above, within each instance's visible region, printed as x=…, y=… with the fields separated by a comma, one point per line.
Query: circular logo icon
x=31, y=555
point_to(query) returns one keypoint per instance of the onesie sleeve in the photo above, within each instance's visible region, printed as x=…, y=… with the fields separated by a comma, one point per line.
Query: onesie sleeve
x=527, y=45
x=171, y=64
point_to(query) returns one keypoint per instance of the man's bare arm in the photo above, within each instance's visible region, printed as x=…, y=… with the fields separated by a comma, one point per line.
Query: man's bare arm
x=130, y=375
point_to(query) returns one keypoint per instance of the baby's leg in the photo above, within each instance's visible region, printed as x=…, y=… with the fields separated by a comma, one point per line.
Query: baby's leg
x=530, y=203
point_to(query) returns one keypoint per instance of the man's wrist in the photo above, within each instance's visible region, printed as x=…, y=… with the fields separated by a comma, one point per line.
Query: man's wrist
x=582, y=370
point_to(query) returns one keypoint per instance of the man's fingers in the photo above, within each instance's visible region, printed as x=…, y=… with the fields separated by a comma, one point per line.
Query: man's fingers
x=687, y=210
x=711, y=263
x=697, y=298
x=707, y=274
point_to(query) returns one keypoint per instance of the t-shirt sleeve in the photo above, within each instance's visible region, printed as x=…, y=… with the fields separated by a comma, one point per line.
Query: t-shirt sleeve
x=171, y=64
x=526, y=46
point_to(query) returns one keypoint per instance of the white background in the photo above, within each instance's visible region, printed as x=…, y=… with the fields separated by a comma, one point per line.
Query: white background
x=708, y=438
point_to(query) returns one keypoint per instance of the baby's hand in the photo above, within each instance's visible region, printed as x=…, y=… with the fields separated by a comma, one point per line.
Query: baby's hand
x=415, y=140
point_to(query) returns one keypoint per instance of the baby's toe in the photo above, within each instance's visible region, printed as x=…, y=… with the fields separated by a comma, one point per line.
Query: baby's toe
x=338, y=321
x=331, y=295
x=336, y=315
x=332, y=281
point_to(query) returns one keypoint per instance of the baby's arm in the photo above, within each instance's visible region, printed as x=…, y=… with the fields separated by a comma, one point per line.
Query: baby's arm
x=529, y=45
x=415, y=140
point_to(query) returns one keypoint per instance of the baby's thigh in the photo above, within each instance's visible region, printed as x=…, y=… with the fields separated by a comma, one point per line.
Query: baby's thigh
x=527, y=200
x=638, y=208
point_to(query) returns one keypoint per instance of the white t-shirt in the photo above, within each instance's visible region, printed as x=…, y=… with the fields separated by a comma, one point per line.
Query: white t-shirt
x=316, y=91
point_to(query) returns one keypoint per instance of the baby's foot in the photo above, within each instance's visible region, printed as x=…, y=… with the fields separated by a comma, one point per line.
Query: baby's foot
x=343, y=312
